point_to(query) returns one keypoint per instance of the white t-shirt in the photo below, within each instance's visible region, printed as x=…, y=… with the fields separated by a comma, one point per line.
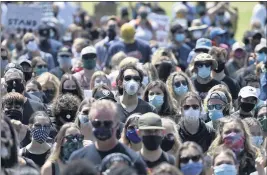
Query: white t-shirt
x=259, y=13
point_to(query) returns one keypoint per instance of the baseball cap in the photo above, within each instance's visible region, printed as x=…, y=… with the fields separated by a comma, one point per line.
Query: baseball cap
x=216, y=31
x=206, y=57
x=24, y=60
x=238, y=45
x=128, y=33
x=248, y=91
x=13, y=65
x=64, y=51
x=150, y=120
x=113, y=158
x=203, y=43
x=88, y=50
x=261, y=46
x=218, y=95
x=13, y=74
x=101, y=94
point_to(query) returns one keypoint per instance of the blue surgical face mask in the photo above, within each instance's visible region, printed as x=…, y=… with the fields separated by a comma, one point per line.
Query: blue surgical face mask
x=261, y=57
x=181, y=90
x=193, y=168
x=257, y=140
x=156, y=100
x=204, y=72
x=225, y=169
x=215, y=114
x=180, y=37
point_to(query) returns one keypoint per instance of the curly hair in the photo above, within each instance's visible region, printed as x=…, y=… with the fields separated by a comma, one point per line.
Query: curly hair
x=66, y=77
x=167, y=106
x=170, y=83
x=11, y=98
x=120, y=77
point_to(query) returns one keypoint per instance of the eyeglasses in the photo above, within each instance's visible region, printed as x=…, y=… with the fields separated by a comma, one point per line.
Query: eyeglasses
x=186, y=107
x=129, y=77
x=41, y=66
x=217, y=106
x=105, y=124
x=71, y=137
x=179, y=83
x=201, y=64
x=185, y=160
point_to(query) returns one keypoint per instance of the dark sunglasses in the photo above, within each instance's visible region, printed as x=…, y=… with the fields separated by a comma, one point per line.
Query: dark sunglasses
x=105, y=124
x=41, y=66
x=186, y=107
x=89, y=56
x=206, y=64
x=217, y=106
x=29, y=41
x=64, y=56
x=71, y=137
x=129, y=77
x=179, y=83
x=185, y=160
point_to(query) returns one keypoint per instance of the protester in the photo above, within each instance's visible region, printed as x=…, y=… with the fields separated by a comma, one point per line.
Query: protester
x=69, y=84
x=38, y=149
x=130, y=135
x=105, y=121
x=99, y=78
x=191, y=127
x=261, y=116
x=190, y=159
x=128, y=83
x=33, y=87
x=27, y=68
x=156, y=94
x=39, y=66
x=68, y=140
x=151, y=131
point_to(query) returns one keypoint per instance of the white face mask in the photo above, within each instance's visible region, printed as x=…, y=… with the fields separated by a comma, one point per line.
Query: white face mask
x=131, y=87
x=197, y=34
x=32, y=46
x=191, y=114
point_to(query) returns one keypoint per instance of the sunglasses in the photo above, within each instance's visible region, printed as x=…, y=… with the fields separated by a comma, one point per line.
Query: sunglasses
x=217, y=106
x=186, y=107
x=89, y=56
x=185, y=160
x=179, y=83
x=11, y=82
x=29, y=41
x=129, y=77
x=78, y=137
x=64, y=56
x=105, y=124
x=206, y=64
x=41, y=66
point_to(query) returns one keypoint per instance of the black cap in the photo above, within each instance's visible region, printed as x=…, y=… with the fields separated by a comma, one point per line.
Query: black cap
x=110, y=159
x=65, y=51
x=13, y=65
x=101, y=94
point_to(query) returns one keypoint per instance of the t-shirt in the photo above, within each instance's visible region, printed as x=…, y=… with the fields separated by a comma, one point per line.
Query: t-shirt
x=142, y=107
x=138, y=49
x=204, y=136
x=95, y=156
x=203, y=89
x=29, y=107
x=165, y=157
x=232, y=85
x=38, y=159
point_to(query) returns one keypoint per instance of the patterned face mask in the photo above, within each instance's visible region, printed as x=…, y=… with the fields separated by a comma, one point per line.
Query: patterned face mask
x=40, y=134
x=234, y=141
x=73, y=143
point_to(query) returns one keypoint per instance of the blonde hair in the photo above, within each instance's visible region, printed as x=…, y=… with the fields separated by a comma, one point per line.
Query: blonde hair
x=167, y=169
x=128, y=61
x=46, y=78
x=161, y=53
x=151, y=71
x=166, y=121
x=170, y=82
x=54, y=156
x=104, y=105
x=117, y=58
x=98, y=74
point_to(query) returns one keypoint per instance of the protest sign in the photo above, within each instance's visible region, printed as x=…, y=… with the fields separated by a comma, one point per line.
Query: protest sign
x=23, y=16
x=47, y=9
x=162, y=24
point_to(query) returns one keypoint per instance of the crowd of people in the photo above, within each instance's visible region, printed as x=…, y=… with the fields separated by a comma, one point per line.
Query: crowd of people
x=83, y=99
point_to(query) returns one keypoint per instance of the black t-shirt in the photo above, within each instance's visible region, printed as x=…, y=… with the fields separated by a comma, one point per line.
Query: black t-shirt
x=233, y=86
x=142, y=107
x=95, y=156
x=204, y=136
x=203, y=89
x=29, y=107
x=38, y=159
x=165, y=157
